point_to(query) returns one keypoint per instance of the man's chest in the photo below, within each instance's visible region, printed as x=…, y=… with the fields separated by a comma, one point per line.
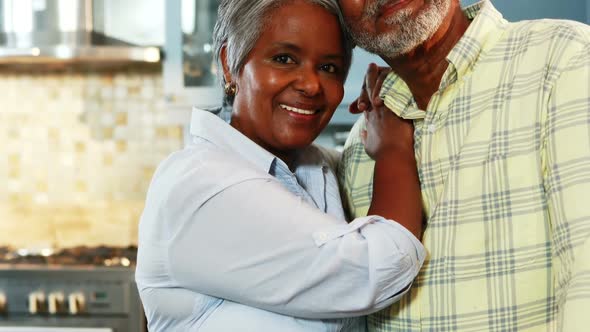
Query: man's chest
x=482, y=139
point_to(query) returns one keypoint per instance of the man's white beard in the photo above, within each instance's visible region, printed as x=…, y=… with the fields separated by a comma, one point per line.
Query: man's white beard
x=409, y=33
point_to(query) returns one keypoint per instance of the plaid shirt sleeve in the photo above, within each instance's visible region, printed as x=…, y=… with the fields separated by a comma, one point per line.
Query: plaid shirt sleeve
x=567, y=184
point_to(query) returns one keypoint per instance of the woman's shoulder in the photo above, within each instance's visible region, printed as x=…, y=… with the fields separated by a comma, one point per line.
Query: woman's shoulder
x=206, y=161
x=188, y=178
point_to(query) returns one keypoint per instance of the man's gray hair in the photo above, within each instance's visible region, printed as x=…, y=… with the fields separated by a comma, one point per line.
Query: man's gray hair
x=239, y=23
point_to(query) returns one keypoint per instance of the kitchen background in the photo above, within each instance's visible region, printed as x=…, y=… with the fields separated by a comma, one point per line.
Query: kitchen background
x=88, y=108
x=78, y=144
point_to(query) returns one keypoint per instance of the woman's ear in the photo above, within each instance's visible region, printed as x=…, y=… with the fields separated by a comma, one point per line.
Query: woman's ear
x=226, y=73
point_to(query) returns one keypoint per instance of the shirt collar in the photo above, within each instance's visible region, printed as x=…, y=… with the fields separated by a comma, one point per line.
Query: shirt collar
x=485, y=30
x=209, y=126
x=482, y=34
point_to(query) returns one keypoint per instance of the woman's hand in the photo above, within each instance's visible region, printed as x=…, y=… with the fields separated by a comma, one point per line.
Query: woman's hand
x=369, y=96
x=385, y=135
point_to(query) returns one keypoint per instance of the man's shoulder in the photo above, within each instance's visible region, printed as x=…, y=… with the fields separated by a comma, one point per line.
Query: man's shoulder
x=549, y=43
x=569, y=32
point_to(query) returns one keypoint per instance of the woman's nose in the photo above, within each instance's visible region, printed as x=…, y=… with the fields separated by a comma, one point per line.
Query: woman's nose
x=308, y=82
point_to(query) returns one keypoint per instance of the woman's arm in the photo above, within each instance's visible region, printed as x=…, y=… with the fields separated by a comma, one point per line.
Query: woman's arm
x=389, y=140
x=253, y=242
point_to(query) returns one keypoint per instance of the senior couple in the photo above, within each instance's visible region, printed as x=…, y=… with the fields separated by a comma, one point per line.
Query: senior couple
x=465, y=180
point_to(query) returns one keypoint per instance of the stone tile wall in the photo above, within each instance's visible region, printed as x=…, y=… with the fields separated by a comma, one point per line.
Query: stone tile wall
x=77, y=151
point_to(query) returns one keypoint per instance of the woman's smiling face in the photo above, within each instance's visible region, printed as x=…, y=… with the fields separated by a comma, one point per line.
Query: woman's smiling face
x=292, y=80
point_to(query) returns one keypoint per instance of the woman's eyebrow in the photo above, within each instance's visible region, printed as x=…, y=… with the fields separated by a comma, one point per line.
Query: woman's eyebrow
x=296, y=48
x=286, y=45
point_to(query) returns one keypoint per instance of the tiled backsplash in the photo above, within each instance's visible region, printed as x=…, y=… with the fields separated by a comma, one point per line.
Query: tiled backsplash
x=77, y=152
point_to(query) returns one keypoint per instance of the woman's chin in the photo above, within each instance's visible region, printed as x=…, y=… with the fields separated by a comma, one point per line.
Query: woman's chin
x=298, y=144
x=301, y=137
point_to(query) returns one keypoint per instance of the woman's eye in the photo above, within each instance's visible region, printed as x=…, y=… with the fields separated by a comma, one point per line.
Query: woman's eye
x=332, y=69
x=283, y=58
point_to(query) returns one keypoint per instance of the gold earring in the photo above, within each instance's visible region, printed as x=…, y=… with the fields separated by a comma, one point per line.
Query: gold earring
x=230, y=89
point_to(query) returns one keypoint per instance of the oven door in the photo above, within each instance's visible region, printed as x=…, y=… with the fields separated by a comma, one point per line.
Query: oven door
x=54, y=329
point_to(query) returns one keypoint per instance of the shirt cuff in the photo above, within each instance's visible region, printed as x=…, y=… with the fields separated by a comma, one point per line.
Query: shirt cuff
x=322, y=237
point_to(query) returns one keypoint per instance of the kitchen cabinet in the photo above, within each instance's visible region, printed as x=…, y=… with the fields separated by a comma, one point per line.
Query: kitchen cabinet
x=139, y=22
x=189, y=67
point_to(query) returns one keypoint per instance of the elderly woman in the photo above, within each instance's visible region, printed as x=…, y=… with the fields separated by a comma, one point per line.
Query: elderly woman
x=243, y=230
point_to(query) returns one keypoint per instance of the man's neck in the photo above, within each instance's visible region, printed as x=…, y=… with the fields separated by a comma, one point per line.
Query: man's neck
x=423, y=68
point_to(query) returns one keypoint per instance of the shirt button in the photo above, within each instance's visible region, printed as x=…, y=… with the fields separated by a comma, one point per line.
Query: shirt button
x=322, y=236
x=432, y=128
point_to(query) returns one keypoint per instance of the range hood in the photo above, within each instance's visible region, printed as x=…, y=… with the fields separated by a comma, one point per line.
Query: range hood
x=63, y=31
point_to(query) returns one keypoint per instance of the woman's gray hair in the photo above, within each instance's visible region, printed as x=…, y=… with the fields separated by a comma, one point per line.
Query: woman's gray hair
x=238, y=26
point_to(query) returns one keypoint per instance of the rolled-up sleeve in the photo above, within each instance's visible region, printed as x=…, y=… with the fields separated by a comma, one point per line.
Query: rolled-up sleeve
x=255, y=243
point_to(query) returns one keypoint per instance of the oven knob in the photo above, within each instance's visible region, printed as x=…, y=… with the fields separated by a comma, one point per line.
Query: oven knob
x=3, y=303
x=76, y=303
x=36, y=302
x=55, y=303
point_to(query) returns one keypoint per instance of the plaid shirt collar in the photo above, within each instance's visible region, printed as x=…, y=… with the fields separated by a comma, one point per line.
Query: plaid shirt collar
x=485, y=30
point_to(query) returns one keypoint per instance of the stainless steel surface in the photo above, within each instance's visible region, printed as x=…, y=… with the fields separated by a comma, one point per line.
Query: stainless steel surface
x=62, y=31
x=76, y=288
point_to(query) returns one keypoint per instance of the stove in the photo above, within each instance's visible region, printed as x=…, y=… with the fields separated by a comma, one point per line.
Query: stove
x=90, y=289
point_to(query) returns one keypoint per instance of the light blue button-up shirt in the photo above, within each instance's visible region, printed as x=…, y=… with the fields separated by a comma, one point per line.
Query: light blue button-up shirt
x=232, y=240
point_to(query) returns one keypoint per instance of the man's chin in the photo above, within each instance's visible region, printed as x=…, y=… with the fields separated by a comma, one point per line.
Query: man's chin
x=410, y=34
x=388, y=46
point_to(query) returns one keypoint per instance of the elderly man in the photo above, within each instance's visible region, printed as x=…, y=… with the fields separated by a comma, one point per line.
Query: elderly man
x=502, y=142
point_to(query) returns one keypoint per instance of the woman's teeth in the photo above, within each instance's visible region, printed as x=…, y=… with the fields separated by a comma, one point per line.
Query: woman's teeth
x=298, y=110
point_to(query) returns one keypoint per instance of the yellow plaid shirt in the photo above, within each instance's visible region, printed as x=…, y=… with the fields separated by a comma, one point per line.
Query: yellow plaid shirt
x=503, y=153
